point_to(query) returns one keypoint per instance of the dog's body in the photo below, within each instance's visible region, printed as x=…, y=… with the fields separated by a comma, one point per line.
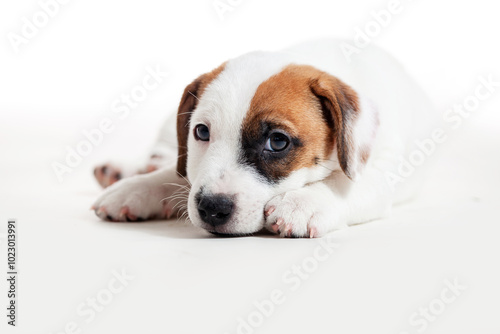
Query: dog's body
x=300, y=142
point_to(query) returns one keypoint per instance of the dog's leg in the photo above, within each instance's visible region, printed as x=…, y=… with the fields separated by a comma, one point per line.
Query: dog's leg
x=164, y=153
x=159, y=194
x=327, y=205
x=108, y=173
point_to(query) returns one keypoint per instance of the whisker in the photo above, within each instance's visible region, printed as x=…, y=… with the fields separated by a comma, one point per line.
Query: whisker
x=325, y=167
x=176, y=184
x=193, y=95
x=185, y=179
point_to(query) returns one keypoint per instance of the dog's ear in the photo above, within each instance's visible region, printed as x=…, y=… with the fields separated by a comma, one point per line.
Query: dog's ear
x=189, y=101
x=353, y=123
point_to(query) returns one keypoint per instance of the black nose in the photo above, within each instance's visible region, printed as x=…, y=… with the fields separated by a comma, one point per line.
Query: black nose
x=215, y=209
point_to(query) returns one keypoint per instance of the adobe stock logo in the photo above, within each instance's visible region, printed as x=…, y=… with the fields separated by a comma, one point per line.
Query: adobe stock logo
x=89, y=309
x=222, y=7
x=364, y=35
x=421, y=319
x=121, y=108
x=453, y=117
x=293, y=278
x=31, y=26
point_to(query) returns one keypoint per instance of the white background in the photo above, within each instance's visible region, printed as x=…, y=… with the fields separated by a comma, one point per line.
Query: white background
x=64, y=81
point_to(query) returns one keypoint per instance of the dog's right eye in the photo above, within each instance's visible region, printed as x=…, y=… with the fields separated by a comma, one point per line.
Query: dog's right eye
x=201, y=132
x=277, y=142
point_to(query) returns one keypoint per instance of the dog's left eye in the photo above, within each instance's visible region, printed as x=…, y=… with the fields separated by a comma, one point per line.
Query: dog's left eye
x=277, y=142
x=201, y=132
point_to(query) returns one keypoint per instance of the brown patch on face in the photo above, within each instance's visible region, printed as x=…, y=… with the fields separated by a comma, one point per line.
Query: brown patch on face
x=312, y=107
x=189, y=101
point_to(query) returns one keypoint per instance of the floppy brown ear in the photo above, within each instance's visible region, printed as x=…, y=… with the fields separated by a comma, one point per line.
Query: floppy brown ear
x=189, y=101
x=341, y=106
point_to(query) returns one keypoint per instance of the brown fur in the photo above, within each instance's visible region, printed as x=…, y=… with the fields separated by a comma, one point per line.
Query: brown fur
x=341, y=104
x=188, y=103
x=312, y=106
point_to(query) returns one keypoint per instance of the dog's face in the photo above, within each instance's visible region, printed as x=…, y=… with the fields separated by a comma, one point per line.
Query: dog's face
x=250, y=130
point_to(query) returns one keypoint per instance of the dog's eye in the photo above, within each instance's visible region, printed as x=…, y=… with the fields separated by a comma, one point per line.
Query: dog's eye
x=201, y=132
x=277, y=142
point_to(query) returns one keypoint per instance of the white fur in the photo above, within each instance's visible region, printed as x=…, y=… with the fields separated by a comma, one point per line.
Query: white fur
x=321, y=198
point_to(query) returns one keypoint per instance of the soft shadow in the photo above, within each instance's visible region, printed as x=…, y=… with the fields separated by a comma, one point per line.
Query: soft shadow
x=176, y=229
x=172, y=228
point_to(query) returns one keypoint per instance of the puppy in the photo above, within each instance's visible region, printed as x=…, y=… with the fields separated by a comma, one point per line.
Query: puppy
x=300, y=142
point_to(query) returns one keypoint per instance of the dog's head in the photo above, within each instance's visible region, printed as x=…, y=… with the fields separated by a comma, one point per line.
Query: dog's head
x=254, y=128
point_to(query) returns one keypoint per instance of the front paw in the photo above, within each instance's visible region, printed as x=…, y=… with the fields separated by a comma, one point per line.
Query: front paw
x=133, y=199
x=301, y=213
